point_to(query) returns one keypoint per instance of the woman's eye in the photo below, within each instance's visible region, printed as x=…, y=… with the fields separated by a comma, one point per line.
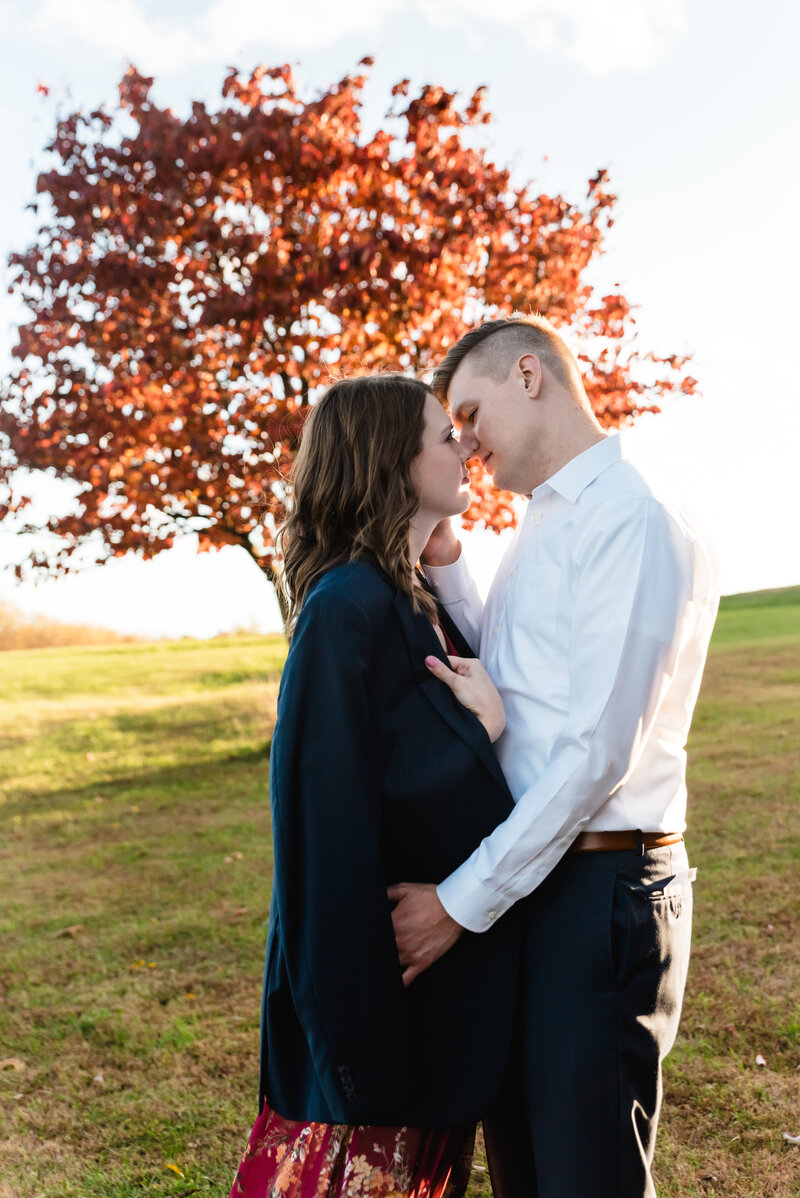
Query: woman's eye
x=451, y=436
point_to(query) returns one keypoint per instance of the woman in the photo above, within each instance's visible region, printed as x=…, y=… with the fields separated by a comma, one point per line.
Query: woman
x=377, y=776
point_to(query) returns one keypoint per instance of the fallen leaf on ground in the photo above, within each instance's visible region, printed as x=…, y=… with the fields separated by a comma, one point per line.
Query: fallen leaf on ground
x=71, y=931
x=12, y=1063
x=174, y=1168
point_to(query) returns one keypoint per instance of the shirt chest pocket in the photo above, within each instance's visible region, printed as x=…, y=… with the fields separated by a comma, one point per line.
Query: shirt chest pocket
x=535, y=608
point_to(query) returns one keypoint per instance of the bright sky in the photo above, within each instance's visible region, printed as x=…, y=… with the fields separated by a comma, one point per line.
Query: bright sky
x=692, y=106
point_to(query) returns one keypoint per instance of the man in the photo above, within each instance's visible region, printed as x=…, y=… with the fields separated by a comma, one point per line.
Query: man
x=595, y=632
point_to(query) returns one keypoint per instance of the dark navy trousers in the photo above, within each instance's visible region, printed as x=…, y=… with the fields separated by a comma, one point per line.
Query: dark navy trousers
x=605, y=957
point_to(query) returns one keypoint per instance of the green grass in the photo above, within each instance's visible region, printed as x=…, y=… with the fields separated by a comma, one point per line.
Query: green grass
x=134, y=812
x=758, y=616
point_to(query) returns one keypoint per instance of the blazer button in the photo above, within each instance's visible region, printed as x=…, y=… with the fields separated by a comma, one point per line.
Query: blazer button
x=491, y=916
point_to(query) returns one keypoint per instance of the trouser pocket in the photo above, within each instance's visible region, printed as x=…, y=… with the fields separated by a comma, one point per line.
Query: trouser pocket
x=651, y=931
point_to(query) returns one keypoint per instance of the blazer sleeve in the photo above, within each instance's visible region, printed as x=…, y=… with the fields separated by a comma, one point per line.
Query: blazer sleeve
x=339, y=946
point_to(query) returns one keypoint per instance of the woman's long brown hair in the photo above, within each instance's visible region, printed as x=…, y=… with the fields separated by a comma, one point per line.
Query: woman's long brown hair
x=353, y=496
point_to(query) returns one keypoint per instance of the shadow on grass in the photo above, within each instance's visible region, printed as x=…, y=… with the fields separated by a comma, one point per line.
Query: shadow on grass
x=168, y=780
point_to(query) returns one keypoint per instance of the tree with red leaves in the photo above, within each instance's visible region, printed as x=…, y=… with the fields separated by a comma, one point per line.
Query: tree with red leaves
x=196, y=280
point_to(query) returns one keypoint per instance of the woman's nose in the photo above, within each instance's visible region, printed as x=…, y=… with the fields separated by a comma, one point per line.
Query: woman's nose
x=466, y=449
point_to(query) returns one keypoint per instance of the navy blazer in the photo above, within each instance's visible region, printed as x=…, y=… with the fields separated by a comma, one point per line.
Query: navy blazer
x=377, y=775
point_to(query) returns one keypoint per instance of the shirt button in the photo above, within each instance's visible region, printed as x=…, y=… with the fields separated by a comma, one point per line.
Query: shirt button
x=494, y=631
x=491, y=916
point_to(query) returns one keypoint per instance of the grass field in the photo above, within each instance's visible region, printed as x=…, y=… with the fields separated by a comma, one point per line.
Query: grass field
x=134, y=883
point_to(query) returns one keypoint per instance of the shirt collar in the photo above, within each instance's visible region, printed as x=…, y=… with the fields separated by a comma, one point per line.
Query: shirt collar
x=571, y=480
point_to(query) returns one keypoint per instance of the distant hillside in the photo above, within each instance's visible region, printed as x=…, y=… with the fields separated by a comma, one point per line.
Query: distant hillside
x=782, y=597
x=754, y=615
x=758, y=616
x=18, y=631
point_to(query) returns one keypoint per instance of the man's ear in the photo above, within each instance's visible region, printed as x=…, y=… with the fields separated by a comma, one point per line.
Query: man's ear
x=531, y=370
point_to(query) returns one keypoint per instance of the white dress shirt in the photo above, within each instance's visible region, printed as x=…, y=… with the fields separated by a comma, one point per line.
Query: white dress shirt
x=595, y=632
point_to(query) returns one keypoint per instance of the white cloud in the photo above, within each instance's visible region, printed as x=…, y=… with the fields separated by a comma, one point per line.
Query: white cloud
x=601, y=37
x=10, y=17
x=625, y=33
x=222, y=31
x=120, y=30
x=303, y=25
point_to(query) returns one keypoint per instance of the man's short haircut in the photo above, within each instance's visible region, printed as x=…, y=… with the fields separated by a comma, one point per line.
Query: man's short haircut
x=495, y=346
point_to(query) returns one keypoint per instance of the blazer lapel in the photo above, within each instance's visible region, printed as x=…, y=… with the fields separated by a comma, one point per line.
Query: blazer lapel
x=451, y=629
x=454, y=633
x=422, y=641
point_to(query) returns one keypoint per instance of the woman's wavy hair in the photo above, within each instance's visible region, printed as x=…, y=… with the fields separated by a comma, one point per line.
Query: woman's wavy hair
x=352, y=490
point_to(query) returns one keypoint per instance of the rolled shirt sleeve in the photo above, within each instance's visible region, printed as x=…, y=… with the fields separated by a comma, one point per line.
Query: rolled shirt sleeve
x=634, y=584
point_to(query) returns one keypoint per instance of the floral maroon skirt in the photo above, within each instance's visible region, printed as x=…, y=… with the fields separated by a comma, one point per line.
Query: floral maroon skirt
x=285, y=1159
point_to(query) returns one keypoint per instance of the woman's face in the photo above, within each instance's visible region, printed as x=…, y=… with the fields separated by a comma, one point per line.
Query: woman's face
x=438, y=473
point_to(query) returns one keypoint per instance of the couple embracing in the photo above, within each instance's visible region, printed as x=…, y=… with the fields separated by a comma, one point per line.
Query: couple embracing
x=482, y=901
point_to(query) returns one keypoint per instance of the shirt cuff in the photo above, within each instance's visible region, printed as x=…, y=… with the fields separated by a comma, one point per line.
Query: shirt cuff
x=453, y=583
x=470, y=902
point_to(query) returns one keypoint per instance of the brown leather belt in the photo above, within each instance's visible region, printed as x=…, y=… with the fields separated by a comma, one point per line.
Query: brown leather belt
x=615, y=842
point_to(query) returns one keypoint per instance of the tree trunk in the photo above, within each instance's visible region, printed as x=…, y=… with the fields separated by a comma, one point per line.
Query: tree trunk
x=272, y=575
